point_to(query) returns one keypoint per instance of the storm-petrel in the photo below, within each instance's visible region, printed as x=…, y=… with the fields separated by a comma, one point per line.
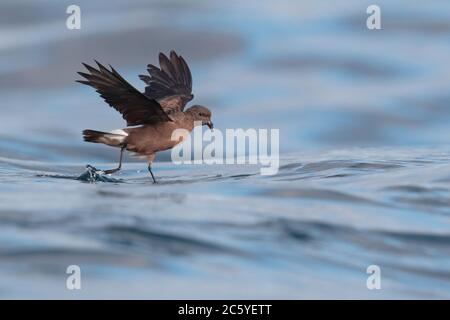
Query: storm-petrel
x=151, y=116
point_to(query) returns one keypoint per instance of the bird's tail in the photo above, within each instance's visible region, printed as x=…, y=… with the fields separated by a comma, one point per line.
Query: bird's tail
x=114, y=139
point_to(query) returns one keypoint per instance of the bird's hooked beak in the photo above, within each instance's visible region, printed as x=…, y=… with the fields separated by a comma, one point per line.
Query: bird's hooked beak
x=210, y=125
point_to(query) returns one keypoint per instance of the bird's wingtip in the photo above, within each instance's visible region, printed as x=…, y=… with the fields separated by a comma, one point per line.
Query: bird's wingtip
x=83, y=82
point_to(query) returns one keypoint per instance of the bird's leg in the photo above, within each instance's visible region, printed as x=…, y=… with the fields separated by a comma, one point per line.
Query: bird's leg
x=150, y=170
x=120, y=164
x=150, y=158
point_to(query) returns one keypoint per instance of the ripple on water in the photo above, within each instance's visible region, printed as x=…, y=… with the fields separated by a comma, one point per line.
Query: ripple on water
x=364, y=212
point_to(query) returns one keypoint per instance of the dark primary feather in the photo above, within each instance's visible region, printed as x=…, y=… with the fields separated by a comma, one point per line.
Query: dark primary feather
x=135, y=107
x=171, y=84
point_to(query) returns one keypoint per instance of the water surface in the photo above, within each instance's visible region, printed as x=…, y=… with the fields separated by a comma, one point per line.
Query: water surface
x=365, y=170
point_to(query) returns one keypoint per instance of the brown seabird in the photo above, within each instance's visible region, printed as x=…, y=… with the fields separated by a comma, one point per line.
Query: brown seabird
x=151, y=116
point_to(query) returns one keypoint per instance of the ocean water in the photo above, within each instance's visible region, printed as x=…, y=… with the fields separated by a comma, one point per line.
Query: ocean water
x=364, y=174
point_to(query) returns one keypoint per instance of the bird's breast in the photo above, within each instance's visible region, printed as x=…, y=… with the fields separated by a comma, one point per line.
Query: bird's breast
x=154, y=138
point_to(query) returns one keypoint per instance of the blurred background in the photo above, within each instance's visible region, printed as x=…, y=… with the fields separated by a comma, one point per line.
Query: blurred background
x=363, y=118
x=310, y=68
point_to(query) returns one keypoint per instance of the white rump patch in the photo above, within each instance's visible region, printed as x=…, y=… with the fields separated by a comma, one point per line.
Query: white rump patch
x=115, y=137
x=120, y=132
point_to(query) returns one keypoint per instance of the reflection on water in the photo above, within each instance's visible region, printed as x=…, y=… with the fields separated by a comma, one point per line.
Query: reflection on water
x=310, y=69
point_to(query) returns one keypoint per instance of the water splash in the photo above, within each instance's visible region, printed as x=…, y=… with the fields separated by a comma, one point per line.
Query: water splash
x=93, y=174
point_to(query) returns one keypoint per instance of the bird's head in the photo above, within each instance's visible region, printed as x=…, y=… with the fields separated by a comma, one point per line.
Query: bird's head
x=200, y=113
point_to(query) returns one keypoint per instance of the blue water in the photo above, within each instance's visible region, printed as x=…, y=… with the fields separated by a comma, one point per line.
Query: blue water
x=365, y=155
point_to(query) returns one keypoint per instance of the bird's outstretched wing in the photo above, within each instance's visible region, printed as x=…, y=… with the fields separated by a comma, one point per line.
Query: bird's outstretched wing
x=171, y=84
x=135, y=107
